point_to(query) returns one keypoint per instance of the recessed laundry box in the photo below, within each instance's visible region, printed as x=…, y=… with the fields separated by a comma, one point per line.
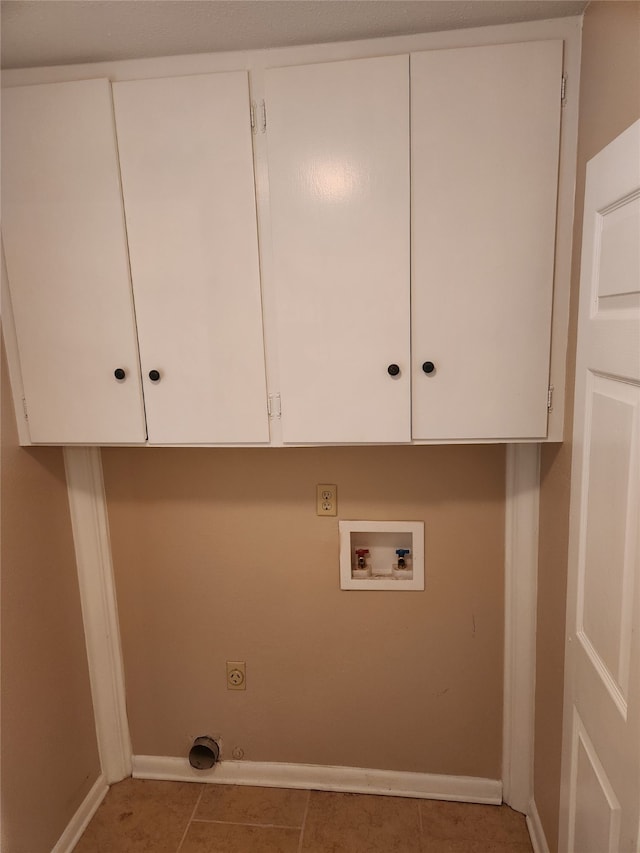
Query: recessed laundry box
x=382, y=555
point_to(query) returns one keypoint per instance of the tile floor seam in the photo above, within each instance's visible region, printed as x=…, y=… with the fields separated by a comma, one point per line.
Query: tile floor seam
x=190, y=821
x=157, y=812
x=304, y=821
x=244, y=823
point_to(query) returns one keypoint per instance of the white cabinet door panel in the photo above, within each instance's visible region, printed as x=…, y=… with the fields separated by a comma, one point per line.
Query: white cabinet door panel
x=66, y=254
x=187, y=175
x=337, y=136
x=485, y=127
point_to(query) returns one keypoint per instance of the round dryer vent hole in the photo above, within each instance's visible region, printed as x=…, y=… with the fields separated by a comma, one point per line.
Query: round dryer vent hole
x=204, y=753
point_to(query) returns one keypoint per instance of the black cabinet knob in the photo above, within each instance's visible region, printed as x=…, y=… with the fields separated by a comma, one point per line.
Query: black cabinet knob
x=119, y=373
x=393, y=370
x=428, y=367
x=154, y=375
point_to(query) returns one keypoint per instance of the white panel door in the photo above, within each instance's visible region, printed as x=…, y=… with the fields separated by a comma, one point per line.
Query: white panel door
x=187, y=175
x=338, y=142
x=601, y=751
x=485, y=126
x=66, y=254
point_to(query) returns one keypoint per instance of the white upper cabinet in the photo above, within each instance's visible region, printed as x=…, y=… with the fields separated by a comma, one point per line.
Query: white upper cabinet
x=66, y=255
x=187, y=174
x=186, y=162
x=409, y=209
x=485, y=127
x=338, y=157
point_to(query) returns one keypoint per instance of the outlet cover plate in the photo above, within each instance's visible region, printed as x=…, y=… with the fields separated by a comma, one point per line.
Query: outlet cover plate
x=326, y=499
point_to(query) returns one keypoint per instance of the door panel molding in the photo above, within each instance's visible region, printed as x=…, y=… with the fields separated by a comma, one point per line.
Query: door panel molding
x=581, y=744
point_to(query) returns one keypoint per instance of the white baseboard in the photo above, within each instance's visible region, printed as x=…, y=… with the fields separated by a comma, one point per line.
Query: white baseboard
x=536, y=832
x=81, y=818
x=323, y=778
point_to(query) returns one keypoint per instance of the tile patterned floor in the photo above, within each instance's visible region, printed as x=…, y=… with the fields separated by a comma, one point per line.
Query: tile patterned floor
x=143, y=816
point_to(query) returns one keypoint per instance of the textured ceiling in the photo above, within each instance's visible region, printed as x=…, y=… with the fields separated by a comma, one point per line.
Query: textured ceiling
x=55, y=32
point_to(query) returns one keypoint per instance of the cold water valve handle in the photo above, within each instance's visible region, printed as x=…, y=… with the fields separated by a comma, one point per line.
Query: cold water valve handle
x=362, y=554
x=402, y=552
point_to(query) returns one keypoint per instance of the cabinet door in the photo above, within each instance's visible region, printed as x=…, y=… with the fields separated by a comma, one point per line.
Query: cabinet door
x=485, y=126
x=187, y=173
x=338, y=143
x=66, y=254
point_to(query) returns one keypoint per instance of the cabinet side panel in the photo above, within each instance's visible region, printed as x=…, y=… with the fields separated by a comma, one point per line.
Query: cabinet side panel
x=187, y=172
x=67, y=264
x=338, y=137
x=485, y=147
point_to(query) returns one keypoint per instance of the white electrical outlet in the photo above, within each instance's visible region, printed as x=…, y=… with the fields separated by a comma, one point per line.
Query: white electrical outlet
x=326, y=499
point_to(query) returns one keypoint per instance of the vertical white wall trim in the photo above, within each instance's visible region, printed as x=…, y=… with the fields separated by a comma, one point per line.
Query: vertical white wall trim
x=521, y=580
x=99, y=609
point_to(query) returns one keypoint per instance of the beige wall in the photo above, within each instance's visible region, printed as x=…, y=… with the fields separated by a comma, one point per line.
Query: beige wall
x=49, y=752
x=219, y=556
x=609, y=103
